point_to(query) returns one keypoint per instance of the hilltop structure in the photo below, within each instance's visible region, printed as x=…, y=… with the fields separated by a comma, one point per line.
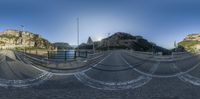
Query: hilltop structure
x=89, y=42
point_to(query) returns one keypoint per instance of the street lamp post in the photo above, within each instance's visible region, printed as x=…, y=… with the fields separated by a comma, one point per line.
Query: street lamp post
x=153, y=49
x=108, y=41
x=175, y=49
x=22, y=26
x=93, y=47
x=78, y=33
x=175, y=45
x=77, y=36
x=29, y=43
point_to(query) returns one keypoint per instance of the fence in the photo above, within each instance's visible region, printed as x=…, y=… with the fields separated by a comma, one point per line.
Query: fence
x=67, y=55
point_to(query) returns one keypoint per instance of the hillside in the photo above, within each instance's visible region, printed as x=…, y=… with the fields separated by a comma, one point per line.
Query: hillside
x=191, y=43
x=121, y=40
x=10, y=39
x=125, y=40
x=62, y=45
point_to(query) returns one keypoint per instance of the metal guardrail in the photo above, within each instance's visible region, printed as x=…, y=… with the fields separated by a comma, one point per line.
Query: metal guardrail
x=67, y=55
x=45, y=63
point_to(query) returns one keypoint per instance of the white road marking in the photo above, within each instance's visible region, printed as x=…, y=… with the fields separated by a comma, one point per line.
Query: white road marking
x=131, y=84
x=27, y=82
x=138, y=82
x=157, y=59
x=94, y=58
x=191, y=79
x=185, y=77
x=162, y=76
x=63, y=74
x=97, y=63
x=154, y=68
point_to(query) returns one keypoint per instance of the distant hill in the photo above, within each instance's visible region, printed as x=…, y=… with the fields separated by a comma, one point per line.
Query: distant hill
x=122, y=40
x=126, y=41
x=191, y=43
x=62, y=45
x=16, y=39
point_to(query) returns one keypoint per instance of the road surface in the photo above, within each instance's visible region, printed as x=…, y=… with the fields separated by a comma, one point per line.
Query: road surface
x=118, y=75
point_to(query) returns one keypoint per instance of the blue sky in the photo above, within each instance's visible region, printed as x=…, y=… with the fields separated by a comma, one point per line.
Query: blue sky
x=159, y=21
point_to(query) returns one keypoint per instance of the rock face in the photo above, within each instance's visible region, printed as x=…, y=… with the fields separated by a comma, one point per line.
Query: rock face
x=191, y=43
x=17, y=39
x=192, y=37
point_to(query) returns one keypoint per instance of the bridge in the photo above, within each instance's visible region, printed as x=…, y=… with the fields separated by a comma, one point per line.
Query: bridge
x=119, y=74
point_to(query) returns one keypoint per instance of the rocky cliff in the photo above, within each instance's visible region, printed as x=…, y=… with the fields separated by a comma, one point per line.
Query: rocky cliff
x=191, y=43
x=16, y=39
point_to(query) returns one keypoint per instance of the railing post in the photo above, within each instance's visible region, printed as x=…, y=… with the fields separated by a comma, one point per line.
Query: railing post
x=36, y=52
x=65, y=55
x=48, y=54
x=86, y=54
x=74, y=54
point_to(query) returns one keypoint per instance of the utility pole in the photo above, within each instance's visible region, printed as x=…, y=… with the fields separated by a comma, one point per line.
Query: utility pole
x=153, y=49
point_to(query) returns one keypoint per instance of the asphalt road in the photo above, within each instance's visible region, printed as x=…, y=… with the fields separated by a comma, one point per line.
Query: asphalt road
x=14, y=73
x=118, y=75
